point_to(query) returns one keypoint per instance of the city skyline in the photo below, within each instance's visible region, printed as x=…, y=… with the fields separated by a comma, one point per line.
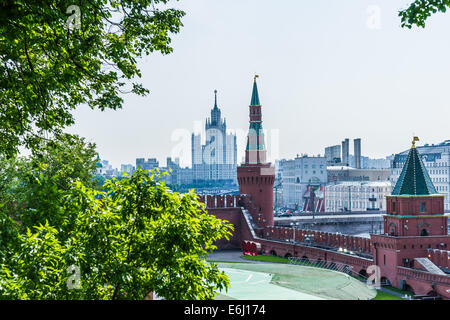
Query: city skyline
x=323, y=78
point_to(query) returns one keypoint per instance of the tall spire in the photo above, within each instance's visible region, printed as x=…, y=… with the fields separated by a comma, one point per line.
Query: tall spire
x=215, y=114
x=414, y=178
x=255, y=152
x=215, y=99
x=255, y=98
x=255, y=176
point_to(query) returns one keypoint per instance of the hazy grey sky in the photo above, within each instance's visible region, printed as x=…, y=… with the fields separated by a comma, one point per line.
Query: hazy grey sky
x=326, y=73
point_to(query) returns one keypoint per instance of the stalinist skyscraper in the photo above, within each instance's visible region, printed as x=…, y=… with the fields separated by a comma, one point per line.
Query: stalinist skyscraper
x=216, y=160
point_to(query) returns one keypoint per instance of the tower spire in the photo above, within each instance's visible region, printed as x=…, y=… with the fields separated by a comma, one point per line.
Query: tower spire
x=255, y=152
x=255, y=175
x=215, y=99
x=255, y=97
x=414, y=178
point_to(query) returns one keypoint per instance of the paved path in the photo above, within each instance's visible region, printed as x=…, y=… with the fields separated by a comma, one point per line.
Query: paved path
x=234, y=256
x=252, y=285
x=228, y=255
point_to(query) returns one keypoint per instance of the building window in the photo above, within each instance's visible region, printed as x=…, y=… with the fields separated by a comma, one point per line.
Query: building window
x=423, y=206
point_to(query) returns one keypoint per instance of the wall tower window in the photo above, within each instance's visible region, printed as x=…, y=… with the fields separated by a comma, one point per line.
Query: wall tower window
x=423, y=206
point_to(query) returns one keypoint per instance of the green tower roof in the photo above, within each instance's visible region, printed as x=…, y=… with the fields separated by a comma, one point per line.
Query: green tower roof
x=414, y=179
x=255, y=97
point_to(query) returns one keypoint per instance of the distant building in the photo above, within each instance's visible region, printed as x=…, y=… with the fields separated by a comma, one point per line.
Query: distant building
x=297, y=175
x=151, y=163
x=338, y=174
x=278, y=185
x=436, y=159
x=346, y=152
x=127, y=168
x=357, y=196
x=105, y=169
x=216, y=160
x=357, y=153
x=369, y=163
x=333, y=155
x=177, y=175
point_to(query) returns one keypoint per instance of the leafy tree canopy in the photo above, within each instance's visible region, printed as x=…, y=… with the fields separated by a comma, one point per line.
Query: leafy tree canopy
x=56, y=55
x=34, y=187
x=419, y=11
x=135, y=238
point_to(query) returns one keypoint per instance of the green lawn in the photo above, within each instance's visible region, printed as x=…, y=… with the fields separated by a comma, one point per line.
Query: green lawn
x=385, y=296
x=267, y=258
x=399, y=291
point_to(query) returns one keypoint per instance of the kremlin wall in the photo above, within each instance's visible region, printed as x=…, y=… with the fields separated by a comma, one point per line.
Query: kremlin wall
x=410, y=254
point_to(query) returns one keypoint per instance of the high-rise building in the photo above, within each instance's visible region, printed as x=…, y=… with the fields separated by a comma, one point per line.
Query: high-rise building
x=357, y=152
x=346, y=152
x=127, y=168
x=216, y=160
x=177, y=175
x=333, y=155
x=151, y=163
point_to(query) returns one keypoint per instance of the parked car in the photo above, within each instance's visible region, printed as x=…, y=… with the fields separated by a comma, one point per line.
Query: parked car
x=286, y=214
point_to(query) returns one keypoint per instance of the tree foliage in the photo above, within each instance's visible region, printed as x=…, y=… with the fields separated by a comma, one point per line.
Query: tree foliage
x=135, y=238
x=50, y=63
x=420, y=10
x=35, y=187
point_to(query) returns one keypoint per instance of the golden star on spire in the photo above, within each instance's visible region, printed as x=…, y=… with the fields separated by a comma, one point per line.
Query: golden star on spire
x=414, y=142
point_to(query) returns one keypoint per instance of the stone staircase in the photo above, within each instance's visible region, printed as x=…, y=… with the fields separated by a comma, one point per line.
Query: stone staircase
x=429, y=266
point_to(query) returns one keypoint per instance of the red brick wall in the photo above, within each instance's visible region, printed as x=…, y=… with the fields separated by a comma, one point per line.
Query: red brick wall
x=350, y=243
x=424, y=282
x=257, y=181
x=411, y=205
x=232, y=215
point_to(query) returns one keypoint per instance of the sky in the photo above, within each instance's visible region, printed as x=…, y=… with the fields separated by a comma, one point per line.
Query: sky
x=328, y=70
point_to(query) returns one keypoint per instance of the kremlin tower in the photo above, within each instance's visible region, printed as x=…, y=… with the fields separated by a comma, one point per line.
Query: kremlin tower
x=415, y=208
x=256, y=176
x=414, y=226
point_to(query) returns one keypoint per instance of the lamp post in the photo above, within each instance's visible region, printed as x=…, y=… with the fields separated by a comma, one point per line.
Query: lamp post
x=349, y=199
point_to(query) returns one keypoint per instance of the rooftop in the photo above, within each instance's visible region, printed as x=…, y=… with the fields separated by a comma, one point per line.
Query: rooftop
x=414, y=179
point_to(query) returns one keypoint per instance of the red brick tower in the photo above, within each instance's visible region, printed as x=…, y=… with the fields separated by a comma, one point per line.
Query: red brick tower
x=415, y=208
x=255, y=176
x=414, y=223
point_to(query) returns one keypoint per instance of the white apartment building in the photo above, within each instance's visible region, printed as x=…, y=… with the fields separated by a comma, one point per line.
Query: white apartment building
x=357, y=196
x=297, y=174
